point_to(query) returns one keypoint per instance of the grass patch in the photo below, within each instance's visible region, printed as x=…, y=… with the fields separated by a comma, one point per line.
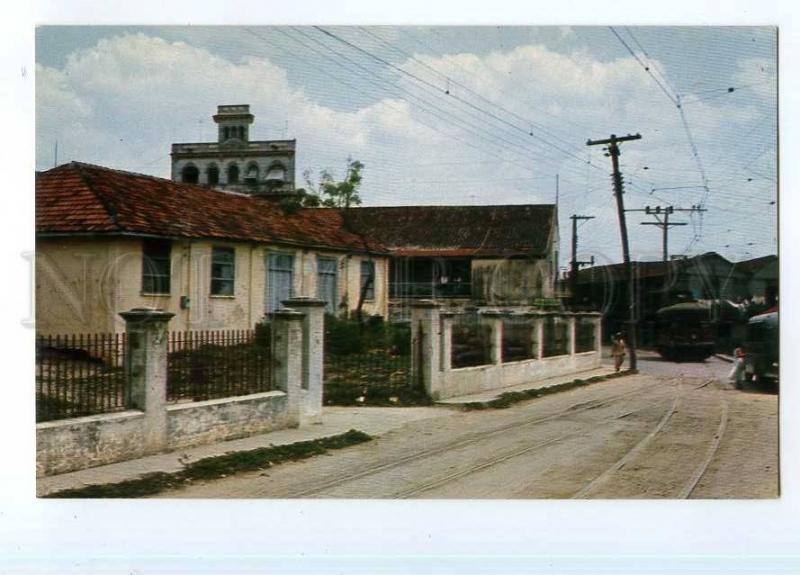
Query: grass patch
x=509, y=398
x=216, y=467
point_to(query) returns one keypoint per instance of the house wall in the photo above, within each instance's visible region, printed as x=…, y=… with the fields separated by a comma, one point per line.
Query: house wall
x=511, y=281
x=82, y=284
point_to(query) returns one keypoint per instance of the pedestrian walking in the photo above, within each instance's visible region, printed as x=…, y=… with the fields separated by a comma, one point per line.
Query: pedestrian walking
x=618, y=351
x=736, y=375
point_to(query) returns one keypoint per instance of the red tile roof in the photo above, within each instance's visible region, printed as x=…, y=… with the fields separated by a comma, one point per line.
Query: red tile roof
x=78, y=198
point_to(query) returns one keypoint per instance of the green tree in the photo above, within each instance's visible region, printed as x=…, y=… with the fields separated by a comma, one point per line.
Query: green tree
x=341, y=194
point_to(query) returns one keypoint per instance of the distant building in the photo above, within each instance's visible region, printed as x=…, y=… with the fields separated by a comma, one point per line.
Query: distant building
x=763, y=284
x=234, y=162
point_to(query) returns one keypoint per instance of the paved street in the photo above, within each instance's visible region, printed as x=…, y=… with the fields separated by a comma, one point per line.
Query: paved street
x=675, y=430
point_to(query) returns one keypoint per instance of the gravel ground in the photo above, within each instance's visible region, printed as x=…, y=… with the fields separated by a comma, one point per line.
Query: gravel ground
x=673, y=431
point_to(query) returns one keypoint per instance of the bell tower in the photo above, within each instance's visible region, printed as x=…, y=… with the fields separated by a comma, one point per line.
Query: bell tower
x=234, y=162
x=233, y=122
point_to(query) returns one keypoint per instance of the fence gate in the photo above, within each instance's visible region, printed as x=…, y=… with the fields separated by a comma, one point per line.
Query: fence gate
x=372, y=361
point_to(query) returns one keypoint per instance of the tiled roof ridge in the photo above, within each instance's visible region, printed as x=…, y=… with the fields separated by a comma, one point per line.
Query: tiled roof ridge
x=86, y=179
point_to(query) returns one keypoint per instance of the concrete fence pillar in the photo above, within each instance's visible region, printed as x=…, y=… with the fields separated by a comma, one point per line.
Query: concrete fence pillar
x=539, y=327
x=426, y=345
x=571, y=330
x=146, y=371
x=313, y=354
x=598, y=334
x=494, y=320
x=287, y=359
x=446, y=341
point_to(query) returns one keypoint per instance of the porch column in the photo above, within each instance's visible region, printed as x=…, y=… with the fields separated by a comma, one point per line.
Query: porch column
x=146, y=371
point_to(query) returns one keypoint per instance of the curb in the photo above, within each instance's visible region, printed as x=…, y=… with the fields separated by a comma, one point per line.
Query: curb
x=507, y=399
x=213, y=467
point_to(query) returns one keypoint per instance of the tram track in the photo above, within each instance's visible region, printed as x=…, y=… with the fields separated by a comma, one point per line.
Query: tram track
x=629, y=456
x=475, y=438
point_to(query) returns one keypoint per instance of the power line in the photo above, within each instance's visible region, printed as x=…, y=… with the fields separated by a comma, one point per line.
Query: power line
x=458, y=98
x=645, y=66
x=476, y=129
x=414, y=97
x=452, y=62
x=471, y=91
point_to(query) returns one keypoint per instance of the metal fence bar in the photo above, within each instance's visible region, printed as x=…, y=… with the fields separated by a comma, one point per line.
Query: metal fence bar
x=79, y=374
x=216, y=364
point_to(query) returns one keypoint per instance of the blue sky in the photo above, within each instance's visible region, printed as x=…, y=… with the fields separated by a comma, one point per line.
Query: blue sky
x=450, y=115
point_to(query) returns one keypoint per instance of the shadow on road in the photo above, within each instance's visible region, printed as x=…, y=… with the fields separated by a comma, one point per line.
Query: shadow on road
x=766, y=388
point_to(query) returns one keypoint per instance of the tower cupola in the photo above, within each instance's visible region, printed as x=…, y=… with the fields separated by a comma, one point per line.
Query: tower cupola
x=233, y=122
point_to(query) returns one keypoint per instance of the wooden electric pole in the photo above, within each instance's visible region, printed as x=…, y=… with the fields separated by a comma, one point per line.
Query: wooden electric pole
x=612, y=144
x=574, y=263
x=665, y=224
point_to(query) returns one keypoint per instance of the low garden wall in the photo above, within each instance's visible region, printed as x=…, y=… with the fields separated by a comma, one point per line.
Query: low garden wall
x=461, y=354
x=153, y=424
x=71, y=444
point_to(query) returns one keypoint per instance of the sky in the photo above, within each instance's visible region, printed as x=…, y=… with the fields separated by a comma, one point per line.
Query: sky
x=451, y=115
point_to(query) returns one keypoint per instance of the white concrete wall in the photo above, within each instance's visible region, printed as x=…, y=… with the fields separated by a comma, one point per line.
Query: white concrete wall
x=222, y=419
x=468, y=380
x=442, y=381
x=72, y=444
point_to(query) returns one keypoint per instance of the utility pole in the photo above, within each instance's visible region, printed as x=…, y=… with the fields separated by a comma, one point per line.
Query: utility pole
x=612, y=144
x=665, y=224
x=575, y=264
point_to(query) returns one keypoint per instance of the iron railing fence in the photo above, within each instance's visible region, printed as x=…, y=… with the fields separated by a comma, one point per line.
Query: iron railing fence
x=216, y=364
x=80, y=374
